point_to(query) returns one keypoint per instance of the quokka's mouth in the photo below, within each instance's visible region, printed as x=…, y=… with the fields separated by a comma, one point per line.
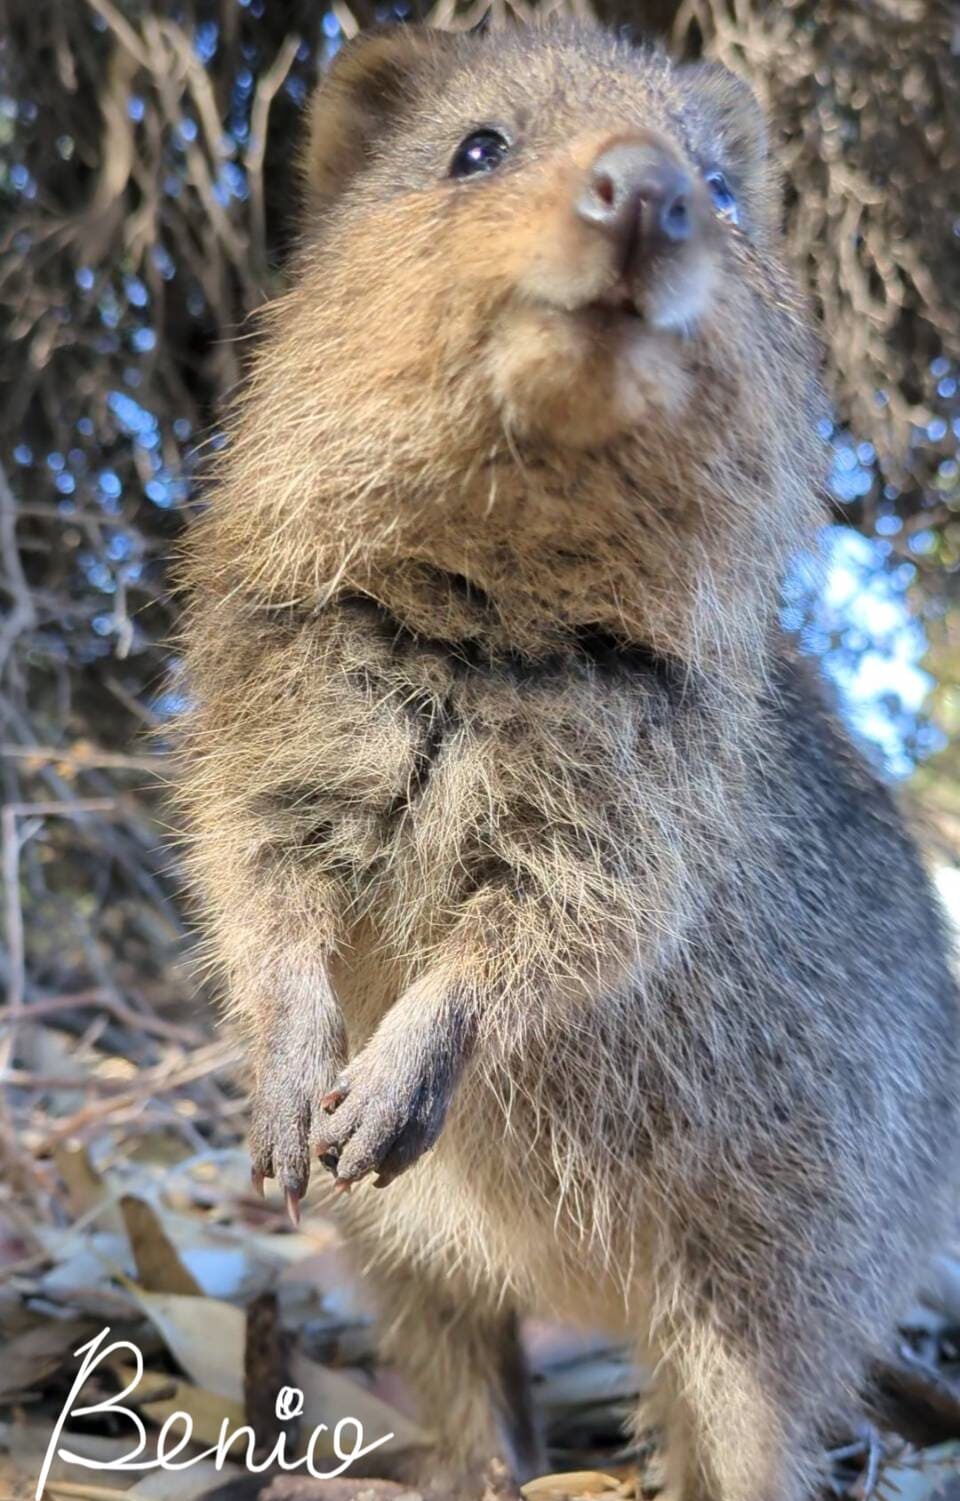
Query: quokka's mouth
x=620, y=300
x=612, y=307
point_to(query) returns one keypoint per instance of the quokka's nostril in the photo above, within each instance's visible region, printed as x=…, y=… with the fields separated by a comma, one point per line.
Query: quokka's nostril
x=675, y=218
x=605, y=188
x=602, y=201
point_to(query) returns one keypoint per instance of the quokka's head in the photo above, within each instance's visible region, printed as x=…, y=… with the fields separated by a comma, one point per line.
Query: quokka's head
x=539, y=333
x=548, y=230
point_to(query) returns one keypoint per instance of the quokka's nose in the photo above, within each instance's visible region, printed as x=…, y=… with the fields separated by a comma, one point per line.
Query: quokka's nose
x=639, y=197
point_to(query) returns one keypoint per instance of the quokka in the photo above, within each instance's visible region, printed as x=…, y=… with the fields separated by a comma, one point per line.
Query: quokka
x=545, y=885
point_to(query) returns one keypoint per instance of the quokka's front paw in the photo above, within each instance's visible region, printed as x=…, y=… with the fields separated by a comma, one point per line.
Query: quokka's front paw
x=280, y=1135
x=382, y=1115
x=286, y=1120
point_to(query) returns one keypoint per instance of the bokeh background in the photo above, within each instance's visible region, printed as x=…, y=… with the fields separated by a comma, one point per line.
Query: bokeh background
x=147, y=203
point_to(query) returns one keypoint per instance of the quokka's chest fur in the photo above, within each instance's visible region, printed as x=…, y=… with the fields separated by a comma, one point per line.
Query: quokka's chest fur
x=422, y=773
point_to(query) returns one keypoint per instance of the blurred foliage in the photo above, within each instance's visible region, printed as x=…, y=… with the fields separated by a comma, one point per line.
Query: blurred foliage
x=147, y=200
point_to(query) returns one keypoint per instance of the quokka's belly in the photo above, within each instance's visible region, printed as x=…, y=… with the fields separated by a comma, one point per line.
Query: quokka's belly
x=490, y=1244
x=510, y=1206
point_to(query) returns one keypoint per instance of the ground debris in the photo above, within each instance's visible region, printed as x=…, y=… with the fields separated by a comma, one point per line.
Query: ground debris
x=131, y=1211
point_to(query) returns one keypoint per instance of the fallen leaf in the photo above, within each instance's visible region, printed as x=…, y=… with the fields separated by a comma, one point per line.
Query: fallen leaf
x=574, y=1483
x=206, y=1410
x=86, y=1190
x=30, y=1358
x=329, y=1397
x=205, y=1336
x=184, y=1485
x=159, y=1268
x=84, y=1279
x=102, y=1304
x=107, y=1250
x=27, y=1444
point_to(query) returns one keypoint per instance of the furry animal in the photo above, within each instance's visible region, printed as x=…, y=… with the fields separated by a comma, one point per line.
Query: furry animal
x=546, y=887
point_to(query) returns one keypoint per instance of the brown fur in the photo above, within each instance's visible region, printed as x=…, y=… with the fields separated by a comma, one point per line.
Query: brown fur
x=504, y=787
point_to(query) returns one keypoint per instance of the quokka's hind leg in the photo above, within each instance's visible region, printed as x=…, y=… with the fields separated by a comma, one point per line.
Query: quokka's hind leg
x=730, y=1427
x=463, y=1357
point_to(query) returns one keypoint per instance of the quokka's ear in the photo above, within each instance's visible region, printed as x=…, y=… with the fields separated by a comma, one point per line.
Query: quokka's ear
x=369, y=82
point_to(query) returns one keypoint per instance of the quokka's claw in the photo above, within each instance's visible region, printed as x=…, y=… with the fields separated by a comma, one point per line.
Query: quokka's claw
x=292, y=1200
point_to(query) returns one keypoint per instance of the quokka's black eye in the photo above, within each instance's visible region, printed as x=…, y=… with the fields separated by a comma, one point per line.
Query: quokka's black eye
x=723, y=197
x=483, y=151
